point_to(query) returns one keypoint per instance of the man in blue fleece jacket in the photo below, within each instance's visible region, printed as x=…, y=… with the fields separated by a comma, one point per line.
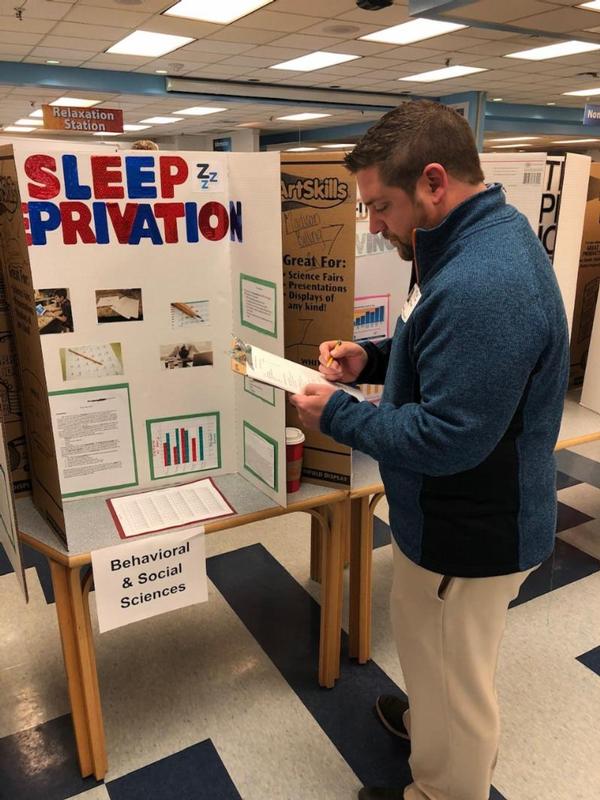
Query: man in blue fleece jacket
x=475, y=377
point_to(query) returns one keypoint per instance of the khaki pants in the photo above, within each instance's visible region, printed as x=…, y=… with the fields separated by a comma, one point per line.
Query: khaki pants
x=448, y=633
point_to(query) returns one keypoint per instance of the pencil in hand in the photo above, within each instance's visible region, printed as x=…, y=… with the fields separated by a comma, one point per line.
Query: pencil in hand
x=331, y=359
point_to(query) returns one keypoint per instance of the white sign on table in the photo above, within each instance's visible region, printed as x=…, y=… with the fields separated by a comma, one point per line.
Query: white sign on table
x=141, y=579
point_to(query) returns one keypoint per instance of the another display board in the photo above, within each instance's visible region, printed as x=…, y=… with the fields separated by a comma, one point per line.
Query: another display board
x=318, y=200
x=176, y=252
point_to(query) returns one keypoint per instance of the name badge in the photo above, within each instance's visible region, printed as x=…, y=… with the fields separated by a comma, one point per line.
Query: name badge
x=411, y=302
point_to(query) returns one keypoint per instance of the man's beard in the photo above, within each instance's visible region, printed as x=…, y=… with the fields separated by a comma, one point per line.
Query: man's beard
x=405, y=250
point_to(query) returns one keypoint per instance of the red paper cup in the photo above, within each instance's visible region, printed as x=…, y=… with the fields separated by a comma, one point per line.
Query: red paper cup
x=294, y=450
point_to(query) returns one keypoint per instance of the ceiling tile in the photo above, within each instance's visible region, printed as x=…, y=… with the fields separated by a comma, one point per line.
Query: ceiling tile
x=177, y=26
x=95, y=32
x=152, y=6
x=562, y=20
x=62, y=52
x=43, y=9
x=68, y=43
x=16, y=37
x=315, y=7
x=273, y=21
x=244, y=35
x=97, y=15
x=307, y=43
x=506, y=11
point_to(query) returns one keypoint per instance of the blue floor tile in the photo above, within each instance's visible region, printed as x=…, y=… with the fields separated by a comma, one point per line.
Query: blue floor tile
x=381, y=533
x=566, y=565
x=41, y=763
x=568, y=517
x=563, y=481
x=196, y=773
x=591, y=659
x=284, y=619
x=580, y=467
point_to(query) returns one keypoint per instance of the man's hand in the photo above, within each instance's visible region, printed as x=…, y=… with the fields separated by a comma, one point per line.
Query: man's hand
x=310, y=404
x=346, y=361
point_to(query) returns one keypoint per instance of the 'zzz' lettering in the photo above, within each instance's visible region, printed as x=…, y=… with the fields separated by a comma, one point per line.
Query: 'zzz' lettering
x=205, y=177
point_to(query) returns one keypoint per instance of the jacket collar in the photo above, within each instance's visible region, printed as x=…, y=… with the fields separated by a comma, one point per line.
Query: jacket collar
x=433, y=246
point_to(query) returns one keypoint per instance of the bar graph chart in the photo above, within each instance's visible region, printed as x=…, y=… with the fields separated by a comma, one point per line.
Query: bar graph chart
x=371, y=317
x=180, y=445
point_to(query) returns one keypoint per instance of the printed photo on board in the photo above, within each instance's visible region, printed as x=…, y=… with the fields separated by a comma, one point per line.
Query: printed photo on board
x=189, y=312
x=53, y=309
x=188, y=354
x=119, y=305
x=91, y=361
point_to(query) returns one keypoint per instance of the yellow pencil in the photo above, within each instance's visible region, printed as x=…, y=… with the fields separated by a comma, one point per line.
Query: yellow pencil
x=83, y=355
x=185, y=309
x=330, y=360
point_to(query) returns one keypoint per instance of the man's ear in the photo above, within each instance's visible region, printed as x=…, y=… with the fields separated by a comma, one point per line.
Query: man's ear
x=436, y=182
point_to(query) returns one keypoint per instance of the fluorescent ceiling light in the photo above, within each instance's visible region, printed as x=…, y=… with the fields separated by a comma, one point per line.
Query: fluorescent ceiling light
x=593, y=6
x=551, y=104
x=574, y=141
x=312, y=61
x=161, y=120
x=18, y=129
x=442, y=74
x=508, y=146
x=147, y=43
x=36, y=122
x=78, y=102
x=161, y=71
x=414, y=31
x=37, y=113
x=514, y=139
x=107, y=133
x=337, y=145
x=135, y=127
x=299, y=149
x=302, y=117
x=497, y=99
x=583, y=93
x=222, y=12
x=555, y=50
x=52, y=61
x=199, y=111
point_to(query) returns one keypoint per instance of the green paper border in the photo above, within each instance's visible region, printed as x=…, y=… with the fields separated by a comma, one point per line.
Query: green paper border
x=100, y=389
x=276, y=449
x=149, y=422
x=262, y=282
x=258, y=397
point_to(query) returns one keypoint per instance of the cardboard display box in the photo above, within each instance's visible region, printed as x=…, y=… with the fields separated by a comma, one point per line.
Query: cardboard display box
x=318, y=207
x=588, y=281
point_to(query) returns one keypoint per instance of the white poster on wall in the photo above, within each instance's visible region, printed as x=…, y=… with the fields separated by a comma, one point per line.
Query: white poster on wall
x=522, y=176
x=380, y=271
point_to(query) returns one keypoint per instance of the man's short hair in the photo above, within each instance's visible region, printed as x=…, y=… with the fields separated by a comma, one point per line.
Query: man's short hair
x=415, y=134
x=144, y=144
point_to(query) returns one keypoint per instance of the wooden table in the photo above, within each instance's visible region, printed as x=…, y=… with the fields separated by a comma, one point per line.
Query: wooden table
x=93, y=528
x=579, y=426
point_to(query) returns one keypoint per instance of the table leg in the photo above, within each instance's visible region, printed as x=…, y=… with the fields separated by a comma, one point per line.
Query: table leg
x=80, y=666
x=316, y=538
x=361, y=558
x=331, y=594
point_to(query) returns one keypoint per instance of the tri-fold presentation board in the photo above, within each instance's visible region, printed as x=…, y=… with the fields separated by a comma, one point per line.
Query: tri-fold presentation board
x=126, y=274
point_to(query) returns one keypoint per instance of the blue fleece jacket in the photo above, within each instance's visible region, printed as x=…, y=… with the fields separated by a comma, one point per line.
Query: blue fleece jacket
x=474, y=390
